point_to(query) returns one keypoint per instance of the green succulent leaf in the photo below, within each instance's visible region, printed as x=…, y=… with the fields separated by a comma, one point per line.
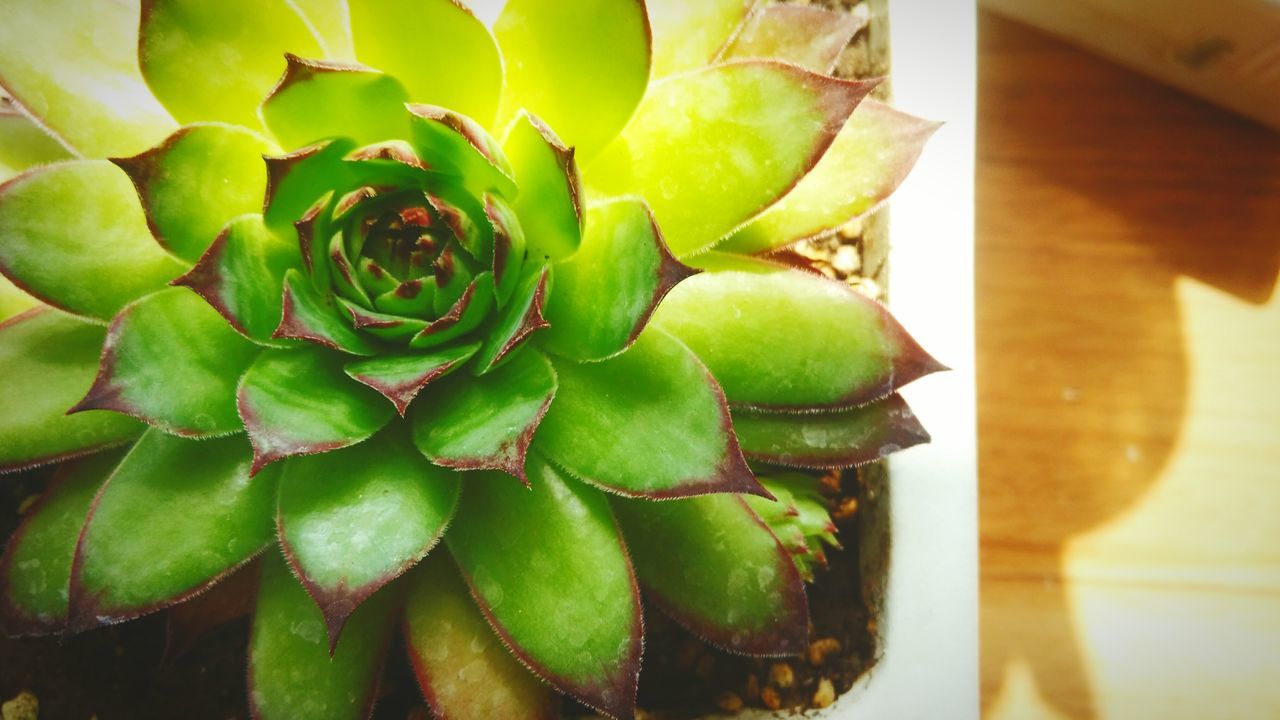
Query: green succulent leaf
x=414, y=39
x=606, y=292
x=463, y=669
x=35, y=571
x=48, y=361
x=330, y=22
x=292, y=673
x=809, y=36
x=550, y=201
x=487, y=422
x=783, y=339
x=731, y=583
x=88, y=93
x=460, y=146
x=241, y=276
x=743, y=135
x=216, y=61
x=299, y=402
x=830, y=440
x=650, y=422
x=550, y=571
x=175, y=517
x=192, y=392
x=466, y=314
x=353, y=520
x=24, y=144
x=308, y=314
x=581, y=65
x=521, y=318
x=317, y=100
x=199, y=178
x=401, y=377
x=386, y=327
x=66, y=227
x=296, y=180
x=689, y=35
x=868, y=160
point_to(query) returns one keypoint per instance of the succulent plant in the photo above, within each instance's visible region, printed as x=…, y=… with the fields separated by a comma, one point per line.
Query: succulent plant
x=509, y=279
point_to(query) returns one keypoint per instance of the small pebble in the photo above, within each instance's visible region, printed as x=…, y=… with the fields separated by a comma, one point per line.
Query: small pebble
x=26, y=504
x=729, y=702
x=771, y=698
x=846, y=260
x=23, y=707
x=846, y=509
x=819, y=650
x=781, y=675
x=824, y=695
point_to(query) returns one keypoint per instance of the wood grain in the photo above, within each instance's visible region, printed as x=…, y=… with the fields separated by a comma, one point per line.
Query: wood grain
x=1128, y=247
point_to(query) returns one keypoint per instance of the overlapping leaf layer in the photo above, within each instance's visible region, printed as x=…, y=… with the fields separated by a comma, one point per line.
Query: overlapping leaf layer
x=426, y=314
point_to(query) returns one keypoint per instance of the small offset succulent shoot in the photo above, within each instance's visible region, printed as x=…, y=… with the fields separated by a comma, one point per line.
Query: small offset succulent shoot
x=495, y=290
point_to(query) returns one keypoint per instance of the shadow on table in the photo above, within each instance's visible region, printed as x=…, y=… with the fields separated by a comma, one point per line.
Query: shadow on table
x=1097, y=189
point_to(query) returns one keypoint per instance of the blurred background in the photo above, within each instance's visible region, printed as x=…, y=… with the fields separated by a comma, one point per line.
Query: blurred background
x=1128, y=248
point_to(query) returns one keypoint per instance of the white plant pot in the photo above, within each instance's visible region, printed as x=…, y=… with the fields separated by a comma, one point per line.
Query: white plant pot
x=928, y=624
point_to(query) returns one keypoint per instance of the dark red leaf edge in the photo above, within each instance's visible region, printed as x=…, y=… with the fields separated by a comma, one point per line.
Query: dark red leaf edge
x=901, y=431
x=370, y=701
x=402, y=394
x=264, y=455
x=106, y=394
x=532, y=322
x=143, y=169
x=671, y=272
x=454, y=316
x=467, y=128
x=835, y=28
x=84, y=612
x=790, y=638
x=294, y=326
x=624, y=708
x=565, y=158
x=337, y=604
x=512, y=455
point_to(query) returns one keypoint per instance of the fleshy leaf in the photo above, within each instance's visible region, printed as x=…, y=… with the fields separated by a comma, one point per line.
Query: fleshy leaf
x=650, y=422
x=64, y=228
x=688, y=35
x=291, y=671
x=242, y=274
x=401, y=377
x=171, y=361
x=197, y=180
x=744, y=135
x=74, y=67
x=487, y=422
x=731, y=582
x=783, y=339
x=48, y=361
x=463, y=669
x=811, y=37
x=466, y=314
x=607, y=291
x=235, y=48
x=521, y=318
x=580, y=65
x=35, y=571
x=317, y=100
x=550, y=201
x=297, y=180
x=551, y=573
x=830, y=440
x=309, y=315
x=330, y=22
x=390, y=34
x=459, y=145
x=174, y=518
x=299, y=402
x=353, y=520
x=869, y=159
x=24, y=144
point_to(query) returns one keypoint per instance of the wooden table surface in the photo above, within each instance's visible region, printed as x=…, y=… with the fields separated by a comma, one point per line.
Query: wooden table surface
x=1128, y=247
